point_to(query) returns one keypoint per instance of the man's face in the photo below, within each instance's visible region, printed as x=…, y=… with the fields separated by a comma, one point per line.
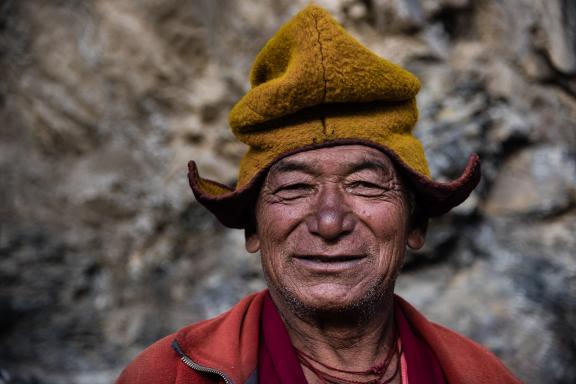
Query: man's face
x=332, y=227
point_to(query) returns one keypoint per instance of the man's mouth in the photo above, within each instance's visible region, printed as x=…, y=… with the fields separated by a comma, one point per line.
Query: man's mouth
x=329, y=263
x=330, y=258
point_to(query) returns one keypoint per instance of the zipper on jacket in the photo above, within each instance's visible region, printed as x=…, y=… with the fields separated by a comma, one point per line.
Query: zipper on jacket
x=197, y=367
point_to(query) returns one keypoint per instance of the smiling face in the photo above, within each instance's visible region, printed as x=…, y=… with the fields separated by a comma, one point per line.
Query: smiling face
x=332, y=228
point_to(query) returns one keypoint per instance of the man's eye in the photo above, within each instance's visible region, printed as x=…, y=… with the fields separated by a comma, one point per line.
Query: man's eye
x=365, y=188
x=293, y=191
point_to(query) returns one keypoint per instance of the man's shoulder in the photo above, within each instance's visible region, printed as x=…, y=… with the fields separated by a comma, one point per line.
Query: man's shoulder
x=156, y=364
x=462, y=359
x=161, y=362
x=461, y=344
x=480, y=364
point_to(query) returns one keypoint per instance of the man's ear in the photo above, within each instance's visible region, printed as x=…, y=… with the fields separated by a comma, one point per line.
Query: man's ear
x=251, y=241
x=417, y=234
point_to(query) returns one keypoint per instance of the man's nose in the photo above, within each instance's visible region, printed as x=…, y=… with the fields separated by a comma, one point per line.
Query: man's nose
x=332, y=217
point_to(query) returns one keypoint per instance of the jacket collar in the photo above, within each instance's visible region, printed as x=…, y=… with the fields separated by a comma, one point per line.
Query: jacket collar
x=227, y=343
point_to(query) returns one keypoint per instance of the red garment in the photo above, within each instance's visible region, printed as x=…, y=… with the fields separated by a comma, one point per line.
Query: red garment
x=278, y=362
x=277, y=359
x=225, y=350
x=423, y=366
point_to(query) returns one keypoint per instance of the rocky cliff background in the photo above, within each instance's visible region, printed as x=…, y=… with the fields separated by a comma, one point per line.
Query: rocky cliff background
x=104, y=250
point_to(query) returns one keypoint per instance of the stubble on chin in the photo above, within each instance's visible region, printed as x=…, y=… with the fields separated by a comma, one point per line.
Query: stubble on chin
x=363, y=309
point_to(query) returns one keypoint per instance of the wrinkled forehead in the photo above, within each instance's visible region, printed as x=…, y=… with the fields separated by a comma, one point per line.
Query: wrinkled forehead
x=343, y=159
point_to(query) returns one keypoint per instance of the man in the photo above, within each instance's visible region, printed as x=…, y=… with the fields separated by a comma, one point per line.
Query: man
x=332, y=190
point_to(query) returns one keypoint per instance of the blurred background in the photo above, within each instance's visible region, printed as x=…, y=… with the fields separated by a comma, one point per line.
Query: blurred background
x=103, y=248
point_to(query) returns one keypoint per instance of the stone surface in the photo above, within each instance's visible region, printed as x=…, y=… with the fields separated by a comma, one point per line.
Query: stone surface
x=104, y=250
x=559, y=22
x=537, y=181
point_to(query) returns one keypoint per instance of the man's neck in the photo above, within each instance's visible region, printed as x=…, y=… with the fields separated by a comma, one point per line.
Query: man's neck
x=348, y=341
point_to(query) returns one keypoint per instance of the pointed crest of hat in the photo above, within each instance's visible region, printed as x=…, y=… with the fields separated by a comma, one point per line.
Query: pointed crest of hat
x=310, y=61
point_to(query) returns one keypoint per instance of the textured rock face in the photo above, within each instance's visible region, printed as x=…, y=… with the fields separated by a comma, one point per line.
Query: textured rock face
x=103, y=249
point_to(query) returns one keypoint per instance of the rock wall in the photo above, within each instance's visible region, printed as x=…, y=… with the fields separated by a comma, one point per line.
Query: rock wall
x=102, y=102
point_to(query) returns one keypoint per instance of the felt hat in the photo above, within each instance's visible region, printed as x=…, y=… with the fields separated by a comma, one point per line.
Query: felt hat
x=313, y=86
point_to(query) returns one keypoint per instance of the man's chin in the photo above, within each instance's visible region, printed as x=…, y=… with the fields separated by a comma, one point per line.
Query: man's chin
x=329, y=299
x=325, y=300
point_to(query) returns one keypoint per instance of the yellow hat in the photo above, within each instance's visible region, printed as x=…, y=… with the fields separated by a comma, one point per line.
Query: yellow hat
x=314, y=85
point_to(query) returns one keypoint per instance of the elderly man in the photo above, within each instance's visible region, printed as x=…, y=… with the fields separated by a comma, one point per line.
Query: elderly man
x=332, y=190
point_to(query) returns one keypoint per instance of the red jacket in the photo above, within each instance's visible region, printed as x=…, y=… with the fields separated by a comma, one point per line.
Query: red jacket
x=225, y=350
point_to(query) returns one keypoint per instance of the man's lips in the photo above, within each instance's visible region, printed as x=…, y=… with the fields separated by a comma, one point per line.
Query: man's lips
x=329, y=263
